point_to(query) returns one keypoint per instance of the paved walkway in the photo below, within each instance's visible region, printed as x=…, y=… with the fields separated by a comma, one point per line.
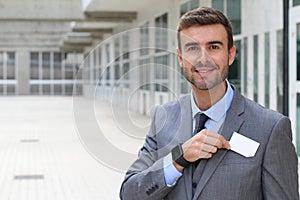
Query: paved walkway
x=59, y=148
x=42, y=155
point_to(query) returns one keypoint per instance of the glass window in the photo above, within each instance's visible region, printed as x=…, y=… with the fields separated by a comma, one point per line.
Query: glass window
x=107, y=68
x=184, y=8
x=245, y=66
x=57, y=89
x=10, y=66
x=126, y=68
x=107, y=52
x=34, y=65
x=46, y=89
x=57, y=65
x=234, y=14
x=125, y=46
x=296, y=2
x=1, y=65
x=86, y=72
x=234, y=74
x=68, y=89
x=117, y=71
x=267, y=70
x=69, y=73
x=46, y=65
x=117, y=48
x=78, y=73
x=298, y=125
x=107, y=75
x=161, y=72
x=99, y=71
x=218, y=4
x=145, y=73
x=194, y=4
x=144, y=39
x=161, y=33
x=279, y=71
x=94, y=67
x=189, y=5
x=11, y=90
x=34, y=89
x=255, y=73
x=298, y=52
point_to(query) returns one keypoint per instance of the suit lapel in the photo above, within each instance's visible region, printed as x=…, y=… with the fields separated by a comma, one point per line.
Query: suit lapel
x=232, y=123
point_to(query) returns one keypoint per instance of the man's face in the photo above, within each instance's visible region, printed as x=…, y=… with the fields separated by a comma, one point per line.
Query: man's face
x=204, y=55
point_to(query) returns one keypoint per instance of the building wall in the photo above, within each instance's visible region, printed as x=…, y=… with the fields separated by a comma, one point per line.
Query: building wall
x=257, y=68
x=28, y=27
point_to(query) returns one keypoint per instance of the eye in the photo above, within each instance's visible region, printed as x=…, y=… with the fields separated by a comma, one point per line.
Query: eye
x=214, y=47
x=193, y=48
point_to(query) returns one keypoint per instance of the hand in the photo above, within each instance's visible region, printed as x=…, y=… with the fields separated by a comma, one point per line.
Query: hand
x=203, y=145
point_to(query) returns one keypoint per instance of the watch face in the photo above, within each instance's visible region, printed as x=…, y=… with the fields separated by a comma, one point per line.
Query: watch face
x=176, y=152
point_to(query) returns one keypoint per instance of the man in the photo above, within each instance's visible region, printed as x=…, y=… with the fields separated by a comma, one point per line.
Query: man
x=177, y=164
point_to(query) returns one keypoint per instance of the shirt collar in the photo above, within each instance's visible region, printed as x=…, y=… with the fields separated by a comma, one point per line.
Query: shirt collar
x=219, y=109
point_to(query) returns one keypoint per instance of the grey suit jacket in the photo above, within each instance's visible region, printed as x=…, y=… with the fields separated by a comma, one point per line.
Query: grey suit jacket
x=271, y=174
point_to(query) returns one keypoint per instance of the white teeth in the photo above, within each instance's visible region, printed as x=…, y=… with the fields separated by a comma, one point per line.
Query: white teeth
x=203, y=71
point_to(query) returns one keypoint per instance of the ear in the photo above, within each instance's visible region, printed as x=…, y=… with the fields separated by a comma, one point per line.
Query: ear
x=231, y=55
x=179, y=57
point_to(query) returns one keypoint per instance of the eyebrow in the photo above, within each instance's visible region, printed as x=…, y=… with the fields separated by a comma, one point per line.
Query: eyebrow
x=215, y=42
x=191, y=44
x=196, y=43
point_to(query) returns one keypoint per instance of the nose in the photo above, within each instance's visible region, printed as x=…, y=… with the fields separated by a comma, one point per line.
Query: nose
x=204, y=57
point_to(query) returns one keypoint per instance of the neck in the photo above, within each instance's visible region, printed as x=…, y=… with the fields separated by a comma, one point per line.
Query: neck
x=207, y=98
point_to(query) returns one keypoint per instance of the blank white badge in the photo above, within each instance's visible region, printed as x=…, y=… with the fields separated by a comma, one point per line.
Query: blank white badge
x=243, y=145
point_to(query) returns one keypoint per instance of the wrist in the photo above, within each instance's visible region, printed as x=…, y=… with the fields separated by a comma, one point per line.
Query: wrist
x=178, y=159
x=178, y=167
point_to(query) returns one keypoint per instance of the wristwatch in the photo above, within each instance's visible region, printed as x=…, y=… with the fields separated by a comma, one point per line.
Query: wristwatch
x=177, y=156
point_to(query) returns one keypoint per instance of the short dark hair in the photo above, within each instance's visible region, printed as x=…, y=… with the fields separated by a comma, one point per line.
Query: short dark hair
x=204, y=16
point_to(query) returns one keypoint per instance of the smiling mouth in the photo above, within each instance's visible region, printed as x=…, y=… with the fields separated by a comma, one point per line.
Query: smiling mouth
x=203, y=70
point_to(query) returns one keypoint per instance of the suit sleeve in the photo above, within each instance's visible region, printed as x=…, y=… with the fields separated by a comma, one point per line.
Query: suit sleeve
x=145, y=177
x=280, y=165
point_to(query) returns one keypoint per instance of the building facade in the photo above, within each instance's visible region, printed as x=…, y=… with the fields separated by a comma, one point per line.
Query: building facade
x=125, y=51
x=136, y=66
x=32, y=60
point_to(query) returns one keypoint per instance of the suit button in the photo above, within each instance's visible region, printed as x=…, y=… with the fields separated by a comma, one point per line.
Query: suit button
x=194, y=184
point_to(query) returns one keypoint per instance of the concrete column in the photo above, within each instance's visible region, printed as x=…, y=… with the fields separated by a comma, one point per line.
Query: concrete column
x=23, y=72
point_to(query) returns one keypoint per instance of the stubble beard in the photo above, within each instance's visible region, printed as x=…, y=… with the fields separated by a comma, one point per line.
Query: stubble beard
x=207, y=83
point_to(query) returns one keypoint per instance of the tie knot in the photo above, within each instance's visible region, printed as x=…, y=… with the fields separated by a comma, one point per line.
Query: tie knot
x=200, y=121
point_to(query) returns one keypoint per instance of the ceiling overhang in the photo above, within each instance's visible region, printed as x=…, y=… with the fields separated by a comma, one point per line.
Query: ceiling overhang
x=111, y=16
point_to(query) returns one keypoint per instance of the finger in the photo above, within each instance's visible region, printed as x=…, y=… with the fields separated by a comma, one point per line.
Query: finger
x=216, y=139
x=212, y=141
x=224, y=143
x=204, y=154
x=208, y=133
x=208, y=148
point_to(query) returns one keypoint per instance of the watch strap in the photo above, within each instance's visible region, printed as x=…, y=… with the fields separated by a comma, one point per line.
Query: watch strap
x=177, y=156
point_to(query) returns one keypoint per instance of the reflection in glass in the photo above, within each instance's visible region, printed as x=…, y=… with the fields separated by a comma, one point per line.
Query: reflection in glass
x=296, y=2
x=298, y=125
x=245, y=65
x=298, y=52
x=267, y=70
x=279, y=71
x=234, y=75
x=255, y=75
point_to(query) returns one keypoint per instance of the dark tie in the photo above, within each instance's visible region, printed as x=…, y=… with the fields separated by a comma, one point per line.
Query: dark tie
x=200, y=121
